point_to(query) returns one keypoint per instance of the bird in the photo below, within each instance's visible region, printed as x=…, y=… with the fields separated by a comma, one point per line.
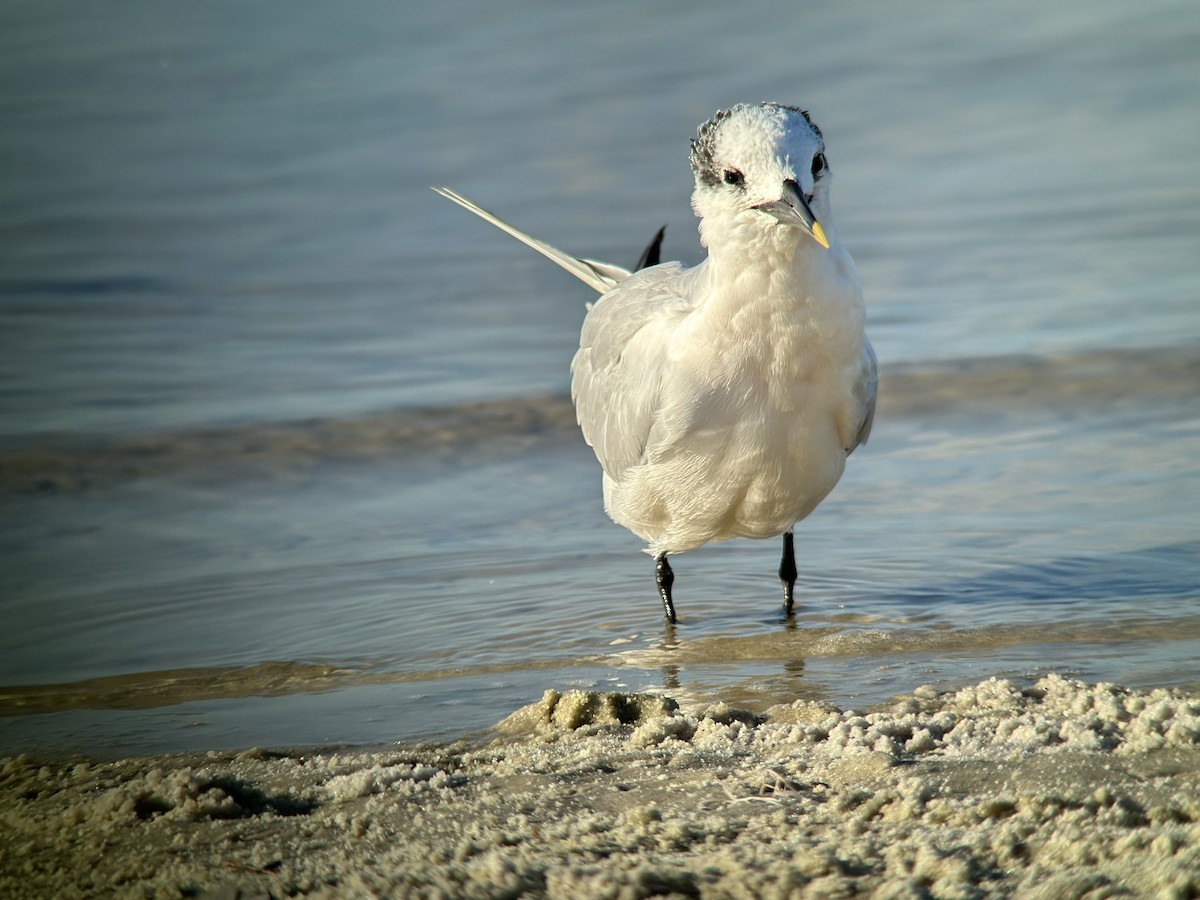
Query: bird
x=723, y=399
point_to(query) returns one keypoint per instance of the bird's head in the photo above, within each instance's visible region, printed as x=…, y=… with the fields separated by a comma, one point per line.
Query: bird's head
x=759, y=168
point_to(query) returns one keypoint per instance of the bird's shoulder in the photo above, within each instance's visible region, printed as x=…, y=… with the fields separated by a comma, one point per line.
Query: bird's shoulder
x=652, y=297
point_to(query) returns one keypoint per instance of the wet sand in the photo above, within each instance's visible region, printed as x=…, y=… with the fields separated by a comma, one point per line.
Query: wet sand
x=1060, y=789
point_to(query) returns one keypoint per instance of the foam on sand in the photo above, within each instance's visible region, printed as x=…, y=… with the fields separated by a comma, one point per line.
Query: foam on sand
x=1054, y=790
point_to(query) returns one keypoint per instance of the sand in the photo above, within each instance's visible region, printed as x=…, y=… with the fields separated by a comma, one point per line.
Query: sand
x=1059, y=789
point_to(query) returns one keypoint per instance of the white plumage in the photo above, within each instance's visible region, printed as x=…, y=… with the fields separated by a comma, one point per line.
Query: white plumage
x=722, y=400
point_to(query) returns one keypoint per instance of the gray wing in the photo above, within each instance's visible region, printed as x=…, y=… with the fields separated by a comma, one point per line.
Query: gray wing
x=616, y=376
x=865, y=390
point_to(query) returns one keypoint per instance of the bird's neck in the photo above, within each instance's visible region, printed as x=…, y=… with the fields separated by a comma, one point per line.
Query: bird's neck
x=762, y=261
x=780, y=275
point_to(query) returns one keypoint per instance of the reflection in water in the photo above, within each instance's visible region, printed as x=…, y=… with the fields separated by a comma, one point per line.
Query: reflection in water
x=778, y=658
x=670, y=644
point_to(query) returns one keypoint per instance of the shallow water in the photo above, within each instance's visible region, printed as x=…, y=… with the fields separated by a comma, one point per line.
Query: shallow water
x=285, y=456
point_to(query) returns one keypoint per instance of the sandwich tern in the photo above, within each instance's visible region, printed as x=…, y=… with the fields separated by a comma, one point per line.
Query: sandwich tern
x=722, y=400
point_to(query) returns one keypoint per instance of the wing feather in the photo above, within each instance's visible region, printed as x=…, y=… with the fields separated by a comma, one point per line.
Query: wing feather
x=617, y=373
x=865, y=391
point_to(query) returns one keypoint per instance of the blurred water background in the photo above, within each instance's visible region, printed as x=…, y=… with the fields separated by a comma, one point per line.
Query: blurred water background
x=285, y=450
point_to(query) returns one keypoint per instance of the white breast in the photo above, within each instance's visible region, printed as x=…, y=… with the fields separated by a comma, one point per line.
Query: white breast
x=746, y=439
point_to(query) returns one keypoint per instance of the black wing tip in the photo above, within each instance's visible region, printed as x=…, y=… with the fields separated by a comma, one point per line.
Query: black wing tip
x=652, y=255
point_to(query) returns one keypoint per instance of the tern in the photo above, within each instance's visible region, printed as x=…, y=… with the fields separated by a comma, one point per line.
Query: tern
x=723, y=399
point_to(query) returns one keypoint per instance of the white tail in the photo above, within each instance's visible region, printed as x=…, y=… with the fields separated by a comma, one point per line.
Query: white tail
x=599, y=275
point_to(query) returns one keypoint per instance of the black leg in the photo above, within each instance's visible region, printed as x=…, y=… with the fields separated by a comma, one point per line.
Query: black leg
x=665, y=578
x=787, y=572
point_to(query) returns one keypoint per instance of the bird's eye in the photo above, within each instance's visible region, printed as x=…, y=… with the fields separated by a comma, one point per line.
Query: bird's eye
x=819, y=165
x=733, y=176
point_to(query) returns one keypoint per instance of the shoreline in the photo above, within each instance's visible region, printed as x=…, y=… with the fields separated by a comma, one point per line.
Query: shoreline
x=1052, y=790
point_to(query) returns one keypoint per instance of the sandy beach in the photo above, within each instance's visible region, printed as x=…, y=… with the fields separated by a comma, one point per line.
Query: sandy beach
x=1056, y=789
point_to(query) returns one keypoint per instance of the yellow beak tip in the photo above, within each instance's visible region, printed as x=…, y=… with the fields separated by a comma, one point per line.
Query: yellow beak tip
x=819, y=233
